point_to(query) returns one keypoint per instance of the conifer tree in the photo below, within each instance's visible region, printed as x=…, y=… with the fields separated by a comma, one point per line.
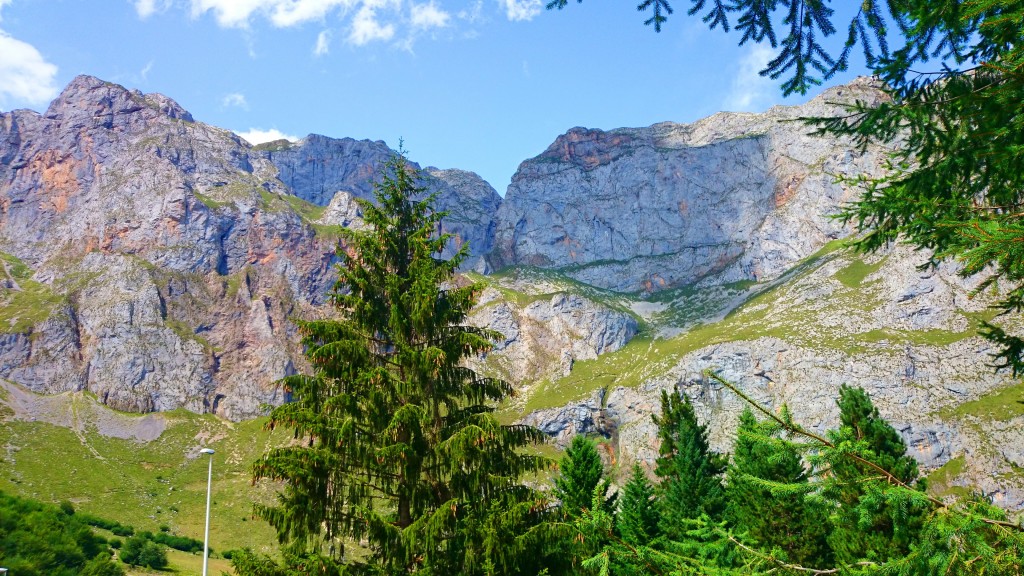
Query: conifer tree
x=638, y=518
x=867, y=523
x=582, y=472
x=767, y=490
x=690, y=472
x=400, y=448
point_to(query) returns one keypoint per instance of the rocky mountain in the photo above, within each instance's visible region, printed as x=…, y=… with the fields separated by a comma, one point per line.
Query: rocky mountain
x=158, y=262
x=733, y=196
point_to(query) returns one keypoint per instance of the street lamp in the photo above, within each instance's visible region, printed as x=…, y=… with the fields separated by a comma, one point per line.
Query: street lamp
x=209, y=483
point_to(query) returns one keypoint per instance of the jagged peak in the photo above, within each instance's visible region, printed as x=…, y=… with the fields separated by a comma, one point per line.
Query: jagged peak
x=99, y=97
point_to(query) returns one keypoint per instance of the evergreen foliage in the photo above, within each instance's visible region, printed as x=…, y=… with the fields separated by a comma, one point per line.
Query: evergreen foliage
x=868, y=524
x=637, y=523
x=139, y=550
x=638, y=518
x=45, y=540
x=400, y=447
x=767, y=490
x=582, y=472
x=955, y=81
x=776, y=510
x=689, y=471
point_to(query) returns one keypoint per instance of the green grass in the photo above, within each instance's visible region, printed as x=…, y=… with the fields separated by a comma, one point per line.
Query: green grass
x=14, y=267
x=941, y=480
x=307, y=210
x=27, y=303
x=770, y=311
x=274, y=146
x=146, y=484
x=210, y=203
x=1001, y=405
x=853, y=275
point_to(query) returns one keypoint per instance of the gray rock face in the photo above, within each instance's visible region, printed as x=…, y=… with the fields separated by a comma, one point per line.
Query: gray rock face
x=545, y=337
x=317, y=168
x=735, y=196
x=166, y=257
x=472, y=206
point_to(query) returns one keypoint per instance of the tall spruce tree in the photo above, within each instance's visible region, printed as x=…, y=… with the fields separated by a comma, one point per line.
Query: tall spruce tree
x=690, y=472
x=767, y=491
x=582, y=472
x=400, y=448
x=867, y=523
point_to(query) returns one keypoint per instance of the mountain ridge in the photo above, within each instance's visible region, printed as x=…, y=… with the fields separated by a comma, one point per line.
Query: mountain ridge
x=158, y=262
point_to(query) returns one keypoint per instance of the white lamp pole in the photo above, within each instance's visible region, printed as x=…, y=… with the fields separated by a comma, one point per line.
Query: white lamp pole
x=209, y=483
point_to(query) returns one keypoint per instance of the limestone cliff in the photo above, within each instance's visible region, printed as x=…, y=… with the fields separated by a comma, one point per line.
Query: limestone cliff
x=157, y=261
x=733, y=196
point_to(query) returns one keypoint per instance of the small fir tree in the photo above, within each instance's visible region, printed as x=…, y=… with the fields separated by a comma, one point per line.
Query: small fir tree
x=690, y=472
x=582, y=472
x=767, y=491
x=400, y=448
x=867, y=523
x=638, y=518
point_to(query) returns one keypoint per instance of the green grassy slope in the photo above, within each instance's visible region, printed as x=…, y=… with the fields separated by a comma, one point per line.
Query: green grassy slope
x=144, y=484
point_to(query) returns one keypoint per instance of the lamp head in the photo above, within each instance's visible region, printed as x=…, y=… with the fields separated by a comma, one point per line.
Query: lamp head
x=206, y=451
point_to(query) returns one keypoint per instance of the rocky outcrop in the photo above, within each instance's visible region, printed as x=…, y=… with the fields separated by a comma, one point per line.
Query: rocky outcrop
x=317, y=168
x=733, y=196
x=472, y=206
x=544, y=337
x=906, y=336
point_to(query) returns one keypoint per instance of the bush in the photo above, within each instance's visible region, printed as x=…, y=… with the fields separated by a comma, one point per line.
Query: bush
x=101, y=565
x=153, y=556
x=112, y=525
x=183, y=543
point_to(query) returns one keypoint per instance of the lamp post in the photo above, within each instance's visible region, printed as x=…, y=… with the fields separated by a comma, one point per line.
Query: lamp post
x=209, y=484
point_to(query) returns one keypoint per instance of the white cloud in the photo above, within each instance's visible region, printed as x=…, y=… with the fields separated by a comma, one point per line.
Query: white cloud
x=292, y=12
x=751, y=92
x=281, y=13
x=146, y=8
x=365, y=26
x=235, y=99
x=517, y=10
x=144, y=73
x=323, y=43
x=256, y=136
x=24, y=74
x=473, y=14
x=427, y=16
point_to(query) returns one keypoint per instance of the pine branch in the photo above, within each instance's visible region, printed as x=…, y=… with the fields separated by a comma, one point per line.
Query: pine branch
x=795, y=428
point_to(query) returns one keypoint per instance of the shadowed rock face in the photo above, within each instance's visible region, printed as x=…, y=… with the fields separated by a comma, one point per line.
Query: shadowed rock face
x=317, y=168
x=734, y=196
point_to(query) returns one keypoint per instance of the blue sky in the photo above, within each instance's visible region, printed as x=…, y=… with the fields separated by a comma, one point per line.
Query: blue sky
x=474, y=84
